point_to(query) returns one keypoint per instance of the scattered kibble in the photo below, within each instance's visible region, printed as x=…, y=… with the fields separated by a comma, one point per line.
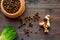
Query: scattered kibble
x=29, y=18
x=23, y=23
x=20, y=26
x=36, y=17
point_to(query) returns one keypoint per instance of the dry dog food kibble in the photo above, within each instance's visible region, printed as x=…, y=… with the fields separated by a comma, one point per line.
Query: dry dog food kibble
x=11, y=6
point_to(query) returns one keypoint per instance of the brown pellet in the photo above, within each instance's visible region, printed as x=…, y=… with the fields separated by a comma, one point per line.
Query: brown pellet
x=36, y=32
x=36, y=14
x=23, y=23
x=39, y=29
x=20, y=26
x=22, y=39
x=28, y=35
x=26, y=31
x=31, y=32
x=26, y=19
x=29, y=18
x=21, y=20
x=30, y=24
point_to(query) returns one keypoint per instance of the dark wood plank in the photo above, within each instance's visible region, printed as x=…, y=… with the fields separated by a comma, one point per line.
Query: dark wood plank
x=43, y=8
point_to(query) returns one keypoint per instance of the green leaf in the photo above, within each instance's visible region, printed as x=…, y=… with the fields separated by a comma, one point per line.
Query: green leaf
x=8, y=33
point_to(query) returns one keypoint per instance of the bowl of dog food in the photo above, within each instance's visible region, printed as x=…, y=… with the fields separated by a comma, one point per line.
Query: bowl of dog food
x=12, y=8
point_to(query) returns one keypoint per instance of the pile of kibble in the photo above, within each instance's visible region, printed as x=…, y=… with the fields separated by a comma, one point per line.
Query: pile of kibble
x=30, y=20
x=11, y=6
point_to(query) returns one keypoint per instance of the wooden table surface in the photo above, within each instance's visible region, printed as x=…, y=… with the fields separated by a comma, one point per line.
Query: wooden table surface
x=43, y=7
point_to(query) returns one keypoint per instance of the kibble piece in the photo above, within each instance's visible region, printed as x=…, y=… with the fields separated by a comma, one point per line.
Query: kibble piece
x=36, y=14
x=29, y=18
x=31, y=32
x=26, y=31
x=48, y=20
x=39, y=29
x=36, y=17
x=36, y=32
x=21, y=19
x=46, y=30
x=30, y=24
x=24, y=23
x=41, y=23
x=28, y=35
x=22, y=39
x=20, y=26
x=26, y=19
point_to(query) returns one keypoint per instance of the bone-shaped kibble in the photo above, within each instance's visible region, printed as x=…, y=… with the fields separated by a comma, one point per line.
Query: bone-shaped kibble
x=48, y=19
x=46, y=24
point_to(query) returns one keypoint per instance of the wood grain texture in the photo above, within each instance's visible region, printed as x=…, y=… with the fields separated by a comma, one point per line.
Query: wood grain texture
x=43, y=7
